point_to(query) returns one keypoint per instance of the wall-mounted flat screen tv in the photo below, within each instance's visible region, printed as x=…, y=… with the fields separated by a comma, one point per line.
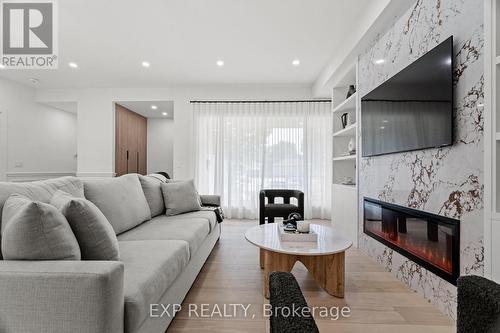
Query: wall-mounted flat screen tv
x=413, y=109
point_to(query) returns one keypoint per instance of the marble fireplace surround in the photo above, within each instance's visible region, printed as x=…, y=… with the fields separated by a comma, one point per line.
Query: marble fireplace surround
x=446, y=181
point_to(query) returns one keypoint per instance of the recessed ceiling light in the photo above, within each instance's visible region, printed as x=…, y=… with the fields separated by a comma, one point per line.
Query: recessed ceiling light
x=382, y=127
x=296, y=62
x=154, y=107
x=480, y=105
x=145, y=64
x=33, y=80
x=164, y=113
x=379, y=61
x=220, y=63
x=73, y=65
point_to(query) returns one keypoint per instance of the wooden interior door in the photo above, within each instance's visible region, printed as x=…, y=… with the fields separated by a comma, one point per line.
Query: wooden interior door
x=121, y=135
x=130, y=142
x=142, y=145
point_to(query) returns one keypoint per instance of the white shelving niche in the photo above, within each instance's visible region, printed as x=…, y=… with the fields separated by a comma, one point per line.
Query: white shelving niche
x=345, y=177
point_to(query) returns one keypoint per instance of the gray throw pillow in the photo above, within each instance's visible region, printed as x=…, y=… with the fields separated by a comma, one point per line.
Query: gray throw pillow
x=152, y=190
x=180, y=197
x=94, y=233
x=120, y=199
x=32, y=230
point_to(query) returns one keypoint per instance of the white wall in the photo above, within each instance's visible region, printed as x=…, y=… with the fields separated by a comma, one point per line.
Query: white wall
x=161, y=145
x=39, y=138
x=96, y=117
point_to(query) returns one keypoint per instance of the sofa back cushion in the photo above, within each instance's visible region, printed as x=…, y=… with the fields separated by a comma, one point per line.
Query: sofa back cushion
x=151, y=187
x=120, y=199
x=34, y=230
x=92, y=230
x=41, y=191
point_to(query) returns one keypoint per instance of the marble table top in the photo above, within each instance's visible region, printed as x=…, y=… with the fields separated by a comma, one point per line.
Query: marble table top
x=266, y=236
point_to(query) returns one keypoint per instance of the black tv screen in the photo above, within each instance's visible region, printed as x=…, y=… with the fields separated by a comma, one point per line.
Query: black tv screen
x=413, y=109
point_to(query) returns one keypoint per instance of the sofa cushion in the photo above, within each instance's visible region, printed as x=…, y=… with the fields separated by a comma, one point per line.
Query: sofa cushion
x=150, y=268
x=41, y=190
x=180, y=197
x=151, y=186
x=192, y=230
x=33, y=230
x=94, y=233
x=208, y=215
x=120, y=199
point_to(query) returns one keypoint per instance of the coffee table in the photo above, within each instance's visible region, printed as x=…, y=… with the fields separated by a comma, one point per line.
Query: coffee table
x=325, y=259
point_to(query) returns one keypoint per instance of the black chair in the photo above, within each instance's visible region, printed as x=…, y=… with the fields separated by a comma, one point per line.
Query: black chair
x=478, y=309
x=285, y=293
x=272, y=209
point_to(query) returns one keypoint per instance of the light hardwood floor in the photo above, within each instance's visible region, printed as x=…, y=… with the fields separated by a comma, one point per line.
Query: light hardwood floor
x=378, y=301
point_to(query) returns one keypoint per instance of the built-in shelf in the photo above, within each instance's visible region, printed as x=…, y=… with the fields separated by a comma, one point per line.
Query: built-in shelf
x=497, y=136
x=345, y=158
x=353, y=187
x=348, y=131
x=348, y=104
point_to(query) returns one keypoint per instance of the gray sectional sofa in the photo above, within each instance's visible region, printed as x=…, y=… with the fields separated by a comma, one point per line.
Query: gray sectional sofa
x=160, y=257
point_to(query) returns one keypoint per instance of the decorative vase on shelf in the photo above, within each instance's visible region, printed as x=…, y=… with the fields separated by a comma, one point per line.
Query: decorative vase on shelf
x=351, y=91
x=351, y=147
x=345, y=120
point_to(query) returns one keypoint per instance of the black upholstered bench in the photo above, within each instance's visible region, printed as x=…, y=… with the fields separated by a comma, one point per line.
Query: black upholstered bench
x=285, y=293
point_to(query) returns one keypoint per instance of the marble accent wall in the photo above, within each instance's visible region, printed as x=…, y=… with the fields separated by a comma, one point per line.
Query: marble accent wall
x=446, y=181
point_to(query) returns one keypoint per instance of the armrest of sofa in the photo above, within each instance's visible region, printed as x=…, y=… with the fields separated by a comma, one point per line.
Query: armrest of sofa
x=61, y=296
x=478, y=305
x=210, y=200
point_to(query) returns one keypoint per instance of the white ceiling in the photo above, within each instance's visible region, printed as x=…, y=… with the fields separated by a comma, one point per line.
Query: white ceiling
x=144, y=108
x=183, y=39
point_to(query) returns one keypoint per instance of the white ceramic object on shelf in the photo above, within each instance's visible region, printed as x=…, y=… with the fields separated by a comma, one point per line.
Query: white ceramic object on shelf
x=351, y=146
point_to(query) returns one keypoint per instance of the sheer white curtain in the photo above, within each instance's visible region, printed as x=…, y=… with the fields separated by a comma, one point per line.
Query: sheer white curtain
x=244, y=147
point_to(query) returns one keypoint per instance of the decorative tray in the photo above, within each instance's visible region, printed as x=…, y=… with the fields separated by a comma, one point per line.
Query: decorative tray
x=287, y=236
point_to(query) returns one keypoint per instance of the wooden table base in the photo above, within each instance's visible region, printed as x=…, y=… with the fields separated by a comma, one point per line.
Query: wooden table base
x=327, y=270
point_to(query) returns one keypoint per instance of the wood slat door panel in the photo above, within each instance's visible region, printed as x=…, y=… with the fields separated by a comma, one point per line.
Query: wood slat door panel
x=121, y=134
x=142, y=146
x=131, y=142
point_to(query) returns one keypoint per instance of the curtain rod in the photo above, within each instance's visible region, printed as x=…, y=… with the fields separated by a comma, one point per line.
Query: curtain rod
x=266, y=101
x=404, y=100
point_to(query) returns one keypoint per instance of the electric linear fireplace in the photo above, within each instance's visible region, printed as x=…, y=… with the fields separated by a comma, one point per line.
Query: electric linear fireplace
x=430, y=240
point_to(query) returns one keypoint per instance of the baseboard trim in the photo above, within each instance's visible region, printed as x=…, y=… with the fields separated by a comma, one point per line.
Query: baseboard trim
x=18, y=177
x=95, y=174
